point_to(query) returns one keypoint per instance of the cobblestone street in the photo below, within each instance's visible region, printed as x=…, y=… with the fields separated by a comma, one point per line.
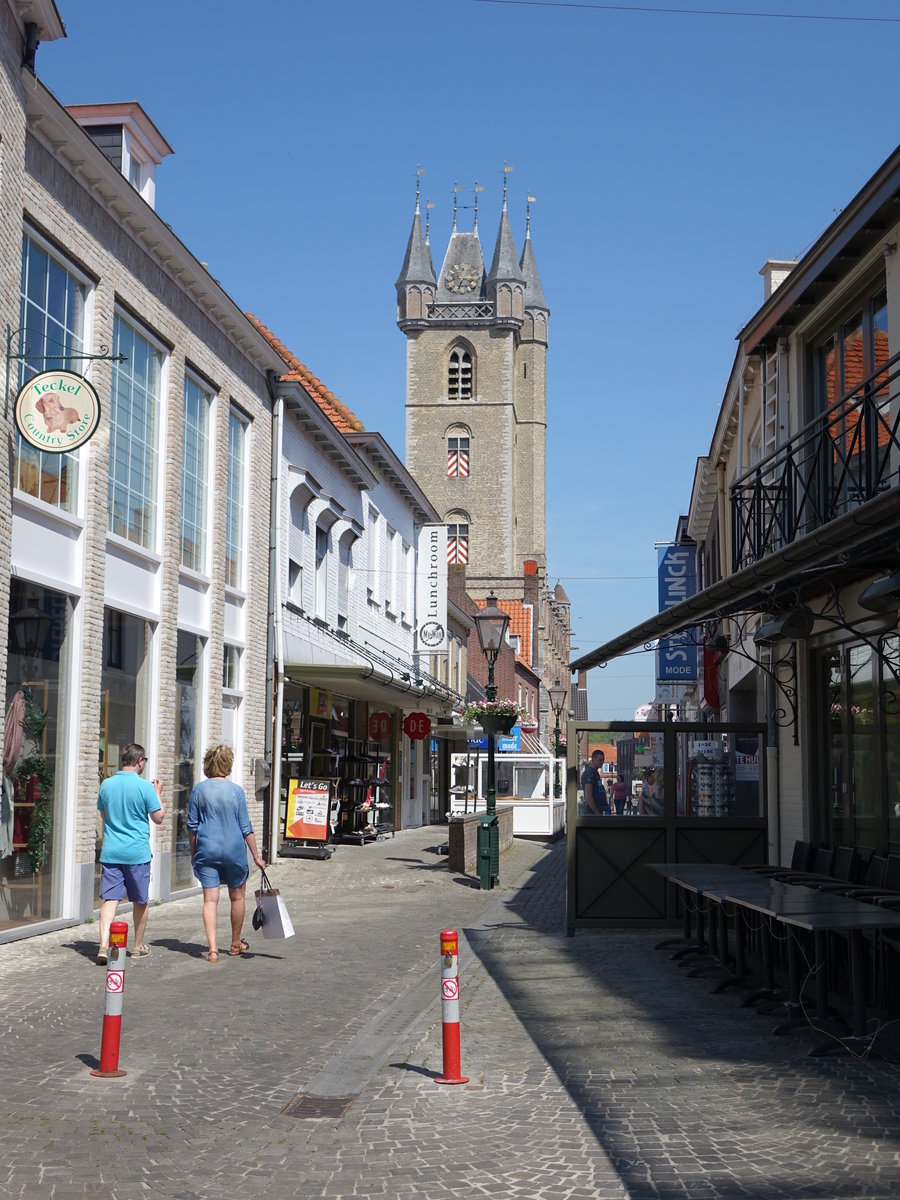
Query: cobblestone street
x=597, y=1068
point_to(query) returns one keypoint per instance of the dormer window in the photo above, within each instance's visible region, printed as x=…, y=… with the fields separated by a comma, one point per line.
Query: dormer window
x=459, y=375
x=128, y=138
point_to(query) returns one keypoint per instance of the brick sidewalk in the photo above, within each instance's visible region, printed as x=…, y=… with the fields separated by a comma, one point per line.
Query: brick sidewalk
x=597, y=1069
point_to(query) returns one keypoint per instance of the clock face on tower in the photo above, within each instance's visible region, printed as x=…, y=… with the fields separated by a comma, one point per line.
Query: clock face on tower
x=462, y=277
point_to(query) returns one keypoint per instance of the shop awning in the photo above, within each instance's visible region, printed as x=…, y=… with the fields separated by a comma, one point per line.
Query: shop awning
x=362, y=680
x=855, y=537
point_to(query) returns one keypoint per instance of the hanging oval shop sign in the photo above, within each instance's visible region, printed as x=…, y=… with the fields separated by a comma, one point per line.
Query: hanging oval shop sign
x=57, y=411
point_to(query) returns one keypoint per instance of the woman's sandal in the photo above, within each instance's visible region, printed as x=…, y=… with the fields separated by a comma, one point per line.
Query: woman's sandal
x=237, y=950
x=213, y=956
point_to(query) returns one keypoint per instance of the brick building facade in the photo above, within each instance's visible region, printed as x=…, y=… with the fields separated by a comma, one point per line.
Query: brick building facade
x=133, y=605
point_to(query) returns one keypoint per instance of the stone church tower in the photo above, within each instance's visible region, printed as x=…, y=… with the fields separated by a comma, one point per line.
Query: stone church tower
x=476, y=398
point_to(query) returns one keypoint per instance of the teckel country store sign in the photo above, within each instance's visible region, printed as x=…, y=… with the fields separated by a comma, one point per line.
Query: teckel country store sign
x=57, y=411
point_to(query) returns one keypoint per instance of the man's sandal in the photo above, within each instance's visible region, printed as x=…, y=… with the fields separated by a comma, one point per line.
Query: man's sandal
x=238, y=949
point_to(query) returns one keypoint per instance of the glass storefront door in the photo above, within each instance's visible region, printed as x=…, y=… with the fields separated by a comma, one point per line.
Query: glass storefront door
x=187, y=731
x=33, y=784
x=124, y=700
x=861, y=733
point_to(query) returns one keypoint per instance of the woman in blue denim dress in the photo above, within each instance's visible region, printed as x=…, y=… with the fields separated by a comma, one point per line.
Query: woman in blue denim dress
x=220, y=834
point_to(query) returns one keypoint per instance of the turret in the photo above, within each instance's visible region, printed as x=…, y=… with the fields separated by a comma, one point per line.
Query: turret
x=537, y=310
x=416, y=284
x=505, y=284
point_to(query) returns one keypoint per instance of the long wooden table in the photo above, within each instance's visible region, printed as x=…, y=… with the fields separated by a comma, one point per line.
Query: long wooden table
x=793, y=905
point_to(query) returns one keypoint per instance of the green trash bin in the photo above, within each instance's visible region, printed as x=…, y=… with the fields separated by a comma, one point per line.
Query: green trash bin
x=488, y=849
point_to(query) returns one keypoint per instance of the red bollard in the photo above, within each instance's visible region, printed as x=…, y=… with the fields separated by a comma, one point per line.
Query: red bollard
x=115, y=990
x=450, y=1007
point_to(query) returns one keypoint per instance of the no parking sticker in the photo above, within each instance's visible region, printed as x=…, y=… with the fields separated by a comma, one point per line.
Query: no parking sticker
x=115, y=981
x=450, y=989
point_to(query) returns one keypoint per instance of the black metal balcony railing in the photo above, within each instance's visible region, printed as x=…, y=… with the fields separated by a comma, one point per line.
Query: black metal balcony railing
x=841, y=459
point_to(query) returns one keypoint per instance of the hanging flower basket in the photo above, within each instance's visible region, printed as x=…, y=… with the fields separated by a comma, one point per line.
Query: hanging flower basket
x=494, y=716
x=497, y=723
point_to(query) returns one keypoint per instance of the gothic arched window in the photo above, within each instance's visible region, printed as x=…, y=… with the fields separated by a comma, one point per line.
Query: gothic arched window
x=458, y=453
x=459, y=374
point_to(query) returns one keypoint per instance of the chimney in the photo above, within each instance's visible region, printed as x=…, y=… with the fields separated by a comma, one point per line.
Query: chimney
x=531, y=581
x=774, y=272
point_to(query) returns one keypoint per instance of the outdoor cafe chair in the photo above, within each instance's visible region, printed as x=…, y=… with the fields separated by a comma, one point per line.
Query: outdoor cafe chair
x=800, y=861
x=829, y=865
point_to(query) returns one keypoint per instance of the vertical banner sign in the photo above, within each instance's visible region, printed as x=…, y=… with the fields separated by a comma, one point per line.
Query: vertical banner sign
x=676, y=657
x=431, y=588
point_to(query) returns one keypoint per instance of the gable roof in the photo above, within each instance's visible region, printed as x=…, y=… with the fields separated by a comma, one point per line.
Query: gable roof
x=338, y=414
x=519, y=626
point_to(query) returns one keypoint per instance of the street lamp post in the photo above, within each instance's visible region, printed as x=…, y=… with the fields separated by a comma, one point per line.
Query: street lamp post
x=492, y=623
x=558, y=695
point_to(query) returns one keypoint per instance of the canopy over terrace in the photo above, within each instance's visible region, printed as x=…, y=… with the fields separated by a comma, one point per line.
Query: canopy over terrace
x=853, y=544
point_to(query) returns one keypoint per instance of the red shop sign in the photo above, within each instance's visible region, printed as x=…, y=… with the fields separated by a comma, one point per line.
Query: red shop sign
x=417, y=726
x=379, y=726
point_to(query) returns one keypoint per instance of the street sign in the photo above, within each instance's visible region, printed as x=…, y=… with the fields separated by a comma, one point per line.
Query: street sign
x=416, y=726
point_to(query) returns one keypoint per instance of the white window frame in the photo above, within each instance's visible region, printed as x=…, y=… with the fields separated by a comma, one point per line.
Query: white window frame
x=156, y=483
x=345, y=576
x=391, y=545
x=239, y=543
x=322, y=552
x=81, y=366
x=373, y=539
x=205, y=492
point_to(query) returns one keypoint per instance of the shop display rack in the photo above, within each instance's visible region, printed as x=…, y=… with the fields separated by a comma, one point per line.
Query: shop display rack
x=364, y=790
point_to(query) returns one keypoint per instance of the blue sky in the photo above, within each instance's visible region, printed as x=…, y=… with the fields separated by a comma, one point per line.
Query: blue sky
x=670, y=155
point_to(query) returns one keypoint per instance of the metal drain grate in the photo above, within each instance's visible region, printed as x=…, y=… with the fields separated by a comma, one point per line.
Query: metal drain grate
x=309, y=1107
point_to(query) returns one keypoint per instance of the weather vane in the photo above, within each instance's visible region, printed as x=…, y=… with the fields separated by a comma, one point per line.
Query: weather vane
x=506, y=170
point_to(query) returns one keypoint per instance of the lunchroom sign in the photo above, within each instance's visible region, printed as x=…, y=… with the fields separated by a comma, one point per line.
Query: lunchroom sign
x=57, y=411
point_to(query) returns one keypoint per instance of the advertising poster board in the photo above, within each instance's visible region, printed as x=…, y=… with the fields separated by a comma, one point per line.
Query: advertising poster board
x=307, y=810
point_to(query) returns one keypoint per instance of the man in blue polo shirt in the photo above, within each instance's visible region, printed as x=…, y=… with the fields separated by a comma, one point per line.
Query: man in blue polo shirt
x=126, y=802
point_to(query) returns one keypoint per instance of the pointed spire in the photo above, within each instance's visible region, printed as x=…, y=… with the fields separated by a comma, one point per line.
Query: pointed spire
x=505, y=264
x=534, y=293
x=417, y=266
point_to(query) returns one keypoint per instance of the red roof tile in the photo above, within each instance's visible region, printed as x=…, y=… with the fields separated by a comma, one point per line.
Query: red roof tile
x=519, y=626
x=337, y=413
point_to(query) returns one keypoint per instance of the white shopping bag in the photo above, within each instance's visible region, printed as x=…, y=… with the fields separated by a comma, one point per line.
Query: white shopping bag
x=271, y=912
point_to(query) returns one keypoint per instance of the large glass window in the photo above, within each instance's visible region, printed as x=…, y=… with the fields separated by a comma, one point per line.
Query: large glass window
x=124, y=699
x=194, y=473
x=31, y=799
x=134, y=436
x=860, y=717
x=187, y=748
x=235, y=518
x=52, y=327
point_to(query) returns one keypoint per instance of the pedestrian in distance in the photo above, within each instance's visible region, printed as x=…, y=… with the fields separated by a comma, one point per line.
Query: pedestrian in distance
x=220, y=834
x=619, y=794
x=125, y=802
x=650, y=803
x=596, y=803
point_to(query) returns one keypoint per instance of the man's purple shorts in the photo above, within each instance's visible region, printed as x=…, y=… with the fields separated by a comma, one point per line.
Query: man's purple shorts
x=119, y=879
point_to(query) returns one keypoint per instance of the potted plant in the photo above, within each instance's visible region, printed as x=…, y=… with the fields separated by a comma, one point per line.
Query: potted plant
x=494, y=716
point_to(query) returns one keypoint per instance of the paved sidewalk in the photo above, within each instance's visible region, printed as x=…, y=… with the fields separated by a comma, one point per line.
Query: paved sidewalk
x=597, y=1068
